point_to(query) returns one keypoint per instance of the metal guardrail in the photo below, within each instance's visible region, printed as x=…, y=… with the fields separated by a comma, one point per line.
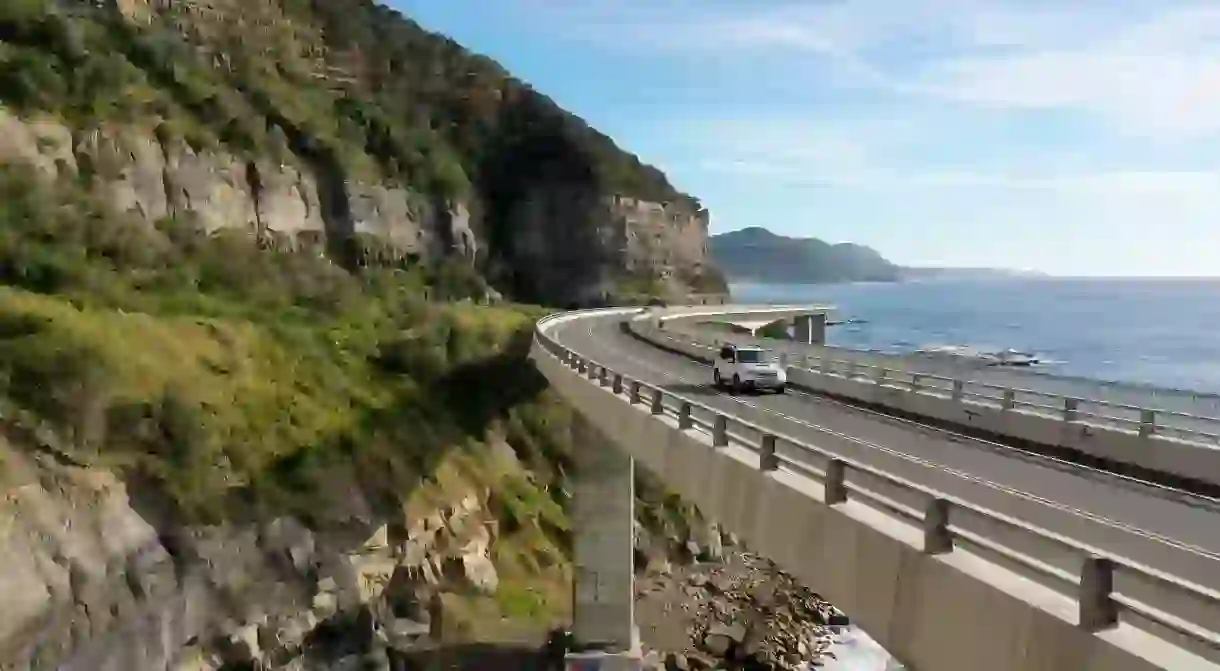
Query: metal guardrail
x=1183, y=426
x=1109, y=589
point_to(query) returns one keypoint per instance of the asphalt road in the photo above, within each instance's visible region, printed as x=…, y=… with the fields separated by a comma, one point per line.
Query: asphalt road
x=1172, y=531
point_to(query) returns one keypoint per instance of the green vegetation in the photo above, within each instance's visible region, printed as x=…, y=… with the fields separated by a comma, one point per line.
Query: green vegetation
x=216, y=370
x=229, y=382
x=756, y=254
x=226, y=380
x=348, y=82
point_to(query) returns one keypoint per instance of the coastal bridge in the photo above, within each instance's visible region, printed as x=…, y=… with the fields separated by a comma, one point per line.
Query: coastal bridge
x=915, y=503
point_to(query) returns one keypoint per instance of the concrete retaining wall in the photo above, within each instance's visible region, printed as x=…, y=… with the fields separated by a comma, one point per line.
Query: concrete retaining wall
x=934, y=612
x=1153, y=453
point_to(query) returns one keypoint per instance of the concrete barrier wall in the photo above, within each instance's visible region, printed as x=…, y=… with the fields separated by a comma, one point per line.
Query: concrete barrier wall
x=944, y=612
x=1151, y=452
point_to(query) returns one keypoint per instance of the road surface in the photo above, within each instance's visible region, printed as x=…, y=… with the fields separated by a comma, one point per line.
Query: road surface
x=1172, y=531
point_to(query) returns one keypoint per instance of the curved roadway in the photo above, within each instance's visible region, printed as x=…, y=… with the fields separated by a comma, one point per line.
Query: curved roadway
x=1171, y=531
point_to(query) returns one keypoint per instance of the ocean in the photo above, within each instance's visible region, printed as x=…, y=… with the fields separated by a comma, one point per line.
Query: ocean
x=1163, y=332
x=1159, y=332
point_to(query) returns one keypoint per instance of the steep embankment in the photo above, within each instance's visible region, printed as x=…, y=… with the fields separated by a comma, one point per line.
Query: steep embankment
x=756, y=254
x=342, y=125
x=242, y=421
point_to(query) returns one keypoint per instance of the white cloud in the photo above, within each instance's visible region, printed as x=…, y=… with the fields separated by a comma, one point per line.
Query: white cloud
x=1150, y=69
x=1160, y=79
x=886, y=154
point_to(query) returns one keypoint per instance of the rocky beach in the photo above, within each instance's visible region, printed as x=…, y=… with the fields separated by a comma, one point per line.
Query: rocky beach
x=742, y=612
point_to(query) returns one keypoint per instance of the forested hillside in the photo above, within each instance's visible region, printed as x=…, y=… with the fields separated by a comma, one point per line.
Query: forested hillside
x=756, y=254
x=363, y=100
x=264, y=394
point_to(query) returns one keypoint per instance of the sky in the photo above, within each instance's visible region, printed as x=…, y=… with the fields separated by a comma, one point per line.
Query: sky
x=1073, y=138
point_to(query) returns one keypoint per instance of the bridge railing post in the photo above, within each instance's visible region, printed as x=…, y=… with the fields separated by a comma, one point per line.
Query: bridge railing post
x=1147, y=422
x=635, y=392
x=937, y=538
x=617, y=386
x=603, y=378
x=835, y=483
x=1071, y=409
x=1008, y=399
x=720, y=431
x=916, y=381
x=593, y=368
x=684, y=419
x=959, y=390
x=767, y=459
x=882, y=374
x=658, y=402
x=1098, y=611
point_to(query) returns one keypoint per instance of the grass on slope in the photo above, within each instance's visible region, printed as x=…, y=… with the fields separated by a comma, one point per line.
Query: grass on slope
x=232, y=382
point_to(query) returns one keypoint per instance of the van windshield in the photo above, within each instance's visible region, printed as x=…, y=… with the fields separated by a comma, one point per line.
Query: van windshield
x=750, y=356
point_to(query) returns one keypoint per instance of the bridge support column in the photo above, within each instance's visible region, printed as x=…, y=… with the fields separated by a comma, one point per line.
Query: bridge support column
x=604, y=523
x=809, y=329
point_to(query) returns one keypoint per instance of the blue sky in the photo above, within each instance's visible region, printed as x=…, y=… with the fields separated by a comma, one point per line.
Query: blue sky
x=1076, y=138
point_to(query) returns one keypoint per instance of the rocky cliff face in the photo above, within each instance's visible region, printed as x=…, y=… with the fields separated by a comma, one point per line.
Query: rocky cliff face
x=575, y=246
x=668, y=240
x=141, y=173
x=93, y=579
x=567, y=245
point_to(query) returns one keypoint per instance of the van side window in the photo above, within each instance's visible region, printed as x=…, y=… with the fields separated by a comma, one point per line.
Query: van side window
x=726, y=353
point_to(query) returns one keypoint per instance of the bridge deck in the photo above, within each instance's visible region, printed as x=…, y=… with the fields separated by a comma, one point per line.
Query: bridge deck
x=1176, y=533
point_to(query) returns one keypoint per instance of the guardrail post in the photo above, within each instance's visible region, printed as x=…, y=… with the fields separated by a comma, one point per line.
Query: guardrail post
x=617, y=385
x=882, y=374
x=658, y=402
x=581, y=365
x=1071, y=409
x=916, y=381
x=603, y=378
x=767, y=461
x=1009, y=400
x=635, y=392
x=720, y=431
x=835, y=484
x=593, y=368
x=1147, y=422
x=684, y=416
x=1097, y=609
x=937, y=539
x=850, y=373
x=959, y=390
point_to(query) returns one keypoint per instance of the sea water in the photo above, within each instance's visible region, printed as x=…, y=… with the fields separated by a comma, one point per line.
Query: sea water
x=1152, y=331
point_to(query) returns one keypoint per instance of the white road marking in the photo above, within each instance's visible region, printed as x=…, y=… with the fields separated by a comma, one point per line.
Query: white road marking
x=1134, y=530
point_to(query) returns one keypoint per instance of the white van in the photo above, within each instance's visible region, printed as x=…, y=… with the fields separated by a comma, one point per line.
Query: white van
x=748, y=367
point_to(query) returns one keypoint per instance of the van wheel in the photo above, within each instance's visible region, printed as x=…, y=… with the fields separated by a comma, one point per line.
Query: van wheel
x=716, y=381
x=781, y=389
x=736, y=384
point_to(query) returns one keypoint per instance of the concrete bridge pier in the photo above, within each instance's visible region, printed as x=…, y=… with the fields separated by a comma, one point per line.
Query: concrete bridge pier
x=604, y=631
x=809, y=329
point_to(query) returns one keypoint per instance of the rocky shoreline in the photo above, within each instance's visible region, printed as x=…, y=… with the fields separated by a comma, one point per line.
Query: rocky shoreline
x=740, y=613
